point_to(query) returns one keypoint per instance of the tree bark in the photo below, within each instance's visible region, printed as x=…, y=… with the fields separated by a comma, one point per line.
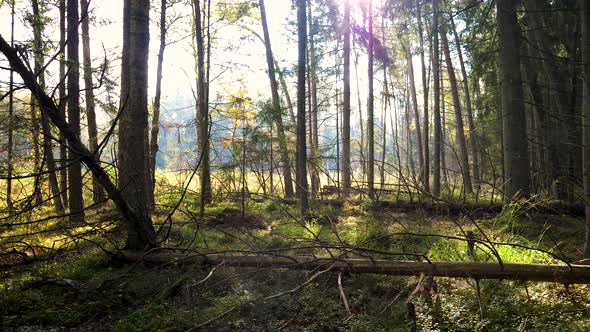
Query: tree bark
x=425, y=90
x=9, y=148
x=75, y=169
x=573, y=274
x=156, y=116
x=516, y=163
x=97, y=191
x=370, y=111
x=346, y=166
x=277, y=116
x=134, y=122
x=63, y=151
x=437, y=142
x=203, y=113
x=468, y=108
x=315, y=161
x=585, y=13
x=38, y=25
x=459, y=128
x=416, y=112
x=301, y=174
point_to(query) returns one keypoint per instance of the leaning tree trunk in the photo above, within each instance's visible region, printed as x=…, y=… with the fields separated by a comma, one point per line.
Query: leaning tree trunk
x=301, y=174
x=346, y=166
x=426, y=170
x=75, y=169
x=132, y=217
x=459, y=128
x=516, y=161
x=97, y=191
x=276, y=106
x=416, y=112
x=468, y=108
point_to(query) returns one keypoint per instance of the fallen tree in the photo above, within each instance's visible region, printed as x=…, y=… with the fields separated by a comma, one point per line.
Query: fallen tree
x=473, y=209
x=567, y=274
x=76, y=146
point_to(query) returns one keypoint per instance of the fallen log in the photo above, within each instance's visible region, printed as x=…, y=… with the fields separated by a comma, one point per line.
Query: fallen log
x=473, y=209
x=572, y=274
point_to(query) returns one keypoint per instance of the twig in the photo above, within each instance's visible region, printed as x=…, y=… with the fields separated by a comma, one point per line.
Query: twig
x=291, y=291
x=342, y=294
x=214, y=318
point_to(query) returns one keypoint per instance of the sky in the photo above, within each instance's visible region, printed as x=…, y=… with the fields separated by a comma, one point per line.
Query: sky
x=246, y=54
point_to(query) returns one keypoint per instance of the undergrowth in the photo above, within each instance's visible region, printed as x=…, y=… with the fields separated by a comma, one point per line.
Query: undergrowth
x=121, y=297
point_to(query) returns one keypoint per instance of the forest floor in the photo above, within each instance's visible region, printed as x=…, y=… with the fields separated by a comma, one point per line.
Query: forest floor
x=98, y=293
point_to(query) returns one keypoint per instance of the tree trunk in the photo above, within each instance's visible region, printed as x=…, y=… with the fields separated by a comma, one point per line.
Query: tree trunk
x=437, y=121
x=425, y=89
x=203, y=113
x=416, y=112
x=370, y=115
x=314, y=142
x=9, y=148
x=301, y=174
x=156, y=116
x=585, y=6
x=134, y=122
x=468, y=108
x=572, y=274
x=459, y=128
x=516, y=163
x=276, y=106
x=63, y=151
x=38, y=48
x=346, y=166
x=97, y=191
x=133, y=217
x=75, y=169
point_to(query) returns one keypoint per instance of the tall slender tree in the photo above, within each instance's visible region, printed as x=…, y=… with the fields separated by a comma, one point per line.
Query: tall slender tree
x=63, y=151
x=516, y=161
x=459, y=128
x=156, y=115
x=425, y=93
x=75, y=169
x=134, y=121
x=97, y=191
x=413, y=95
x=276, y=106
x=437, y=141
x=585, y=13
x=301, y=174
x=9, y=148
x=37, y=22
x=346, y=165
x=370, y=111
x=313, y=110
x=468, y=106
x=203, y=112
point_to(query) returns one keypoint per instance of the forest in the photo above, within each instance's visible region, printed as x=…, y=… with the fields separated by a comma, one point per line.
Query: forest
x=294, y=165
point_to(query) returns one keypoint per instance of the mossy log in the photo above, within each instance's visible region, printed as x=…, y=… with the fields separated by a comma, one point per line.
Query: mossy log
x=572, y=274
